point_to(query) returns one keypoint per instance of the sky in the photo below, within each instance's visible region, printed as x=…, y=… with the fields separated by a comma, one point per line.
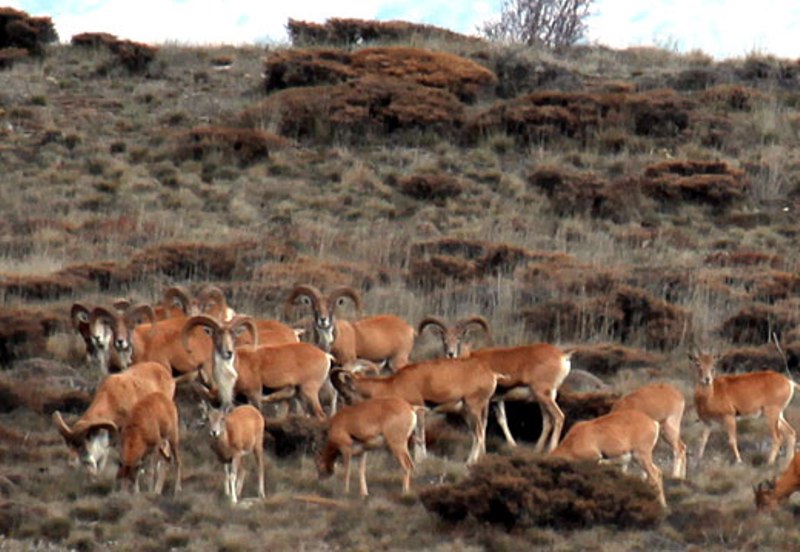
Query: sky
x=721, y=28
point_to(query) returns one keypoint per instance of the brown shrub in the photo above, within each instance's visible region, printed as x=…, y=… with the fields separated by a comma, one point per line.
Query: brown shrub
x=314, y=67
x=573, y=193
x=349, y=32
x=485, y=253
x=322, y=274
x=659, y=113
x=731, y=97
x=16, y=518
x=94, y=40
x=745, y=258
x=751, y=359
x=41, y=287
x=774, y=286
x=540, y=281
x=43, y=386
x=294, y=435
x=628, y=314
x=542, y=116
x=525, y=490
x=242, y=145
x=197, y=261
x=714, y=183
x=36, y=395
x=436, y=270
x=20, y=30
x=652, y=321
x=432, y=263
x=605, y=359
x=24, y=332
x=694, y=78
x=713, y=130
x=520, y=73
x=106, y=275
x=558, y=320
x=463, y=77
x=460, y=76
x=754, y=324
x=428, y=187
x=792, y=351
x=357, y=110
x=133, y=56
x=471, y=250
x=8, y=56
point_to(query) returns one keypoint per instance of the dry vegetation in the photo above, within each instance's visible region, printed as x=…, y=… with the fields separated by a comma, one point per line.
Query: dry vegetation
x=628, y=203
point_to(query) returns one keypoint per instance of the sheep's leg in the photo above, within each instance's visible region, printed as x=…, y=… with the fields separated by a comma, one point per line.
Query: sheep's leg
x=420, y=449
x=502, y=420
x=347, y=454
x=730, y=428
x=362, y=475
x=259, y=454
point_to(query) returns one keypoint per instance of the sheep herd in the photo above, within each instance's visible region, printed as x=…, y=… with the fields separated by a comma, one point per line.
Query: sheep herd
x=201, y=341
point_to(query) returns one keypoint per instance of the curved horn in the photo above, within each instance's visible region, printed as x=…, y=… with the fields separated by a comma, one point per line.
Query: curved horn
x=246, y=322
x=211, y=293
x=199, y=320
x=342, y=380
x=464, y=324
x=82, y=429
x=79, y=314
x=179, y=295
x=434, y=321
x=105, y=313
x=112, y=318
x=134, y=315
x=305, y=290
x=335, y=297
x=104, y=424
x=121, y=304
x=62, y=427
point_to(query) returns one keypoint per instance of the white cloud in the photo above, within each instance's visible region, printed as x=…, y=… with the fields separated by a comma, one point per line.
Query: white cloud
x=723, y=28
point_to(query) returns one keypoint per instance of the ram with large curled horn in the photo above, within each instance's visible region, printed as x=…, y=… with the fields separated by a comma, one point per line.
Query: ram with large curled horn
x=529, y=373
x=212, y=302
x=382, y=338
x=294, y=370
x=176, y=303
x=89, y=438
x=454, y=342
x=111, y=334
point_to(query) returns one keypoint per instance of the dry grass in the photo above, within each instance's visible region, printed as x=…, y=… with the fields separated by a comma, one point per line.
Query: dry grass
x=625, y=203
